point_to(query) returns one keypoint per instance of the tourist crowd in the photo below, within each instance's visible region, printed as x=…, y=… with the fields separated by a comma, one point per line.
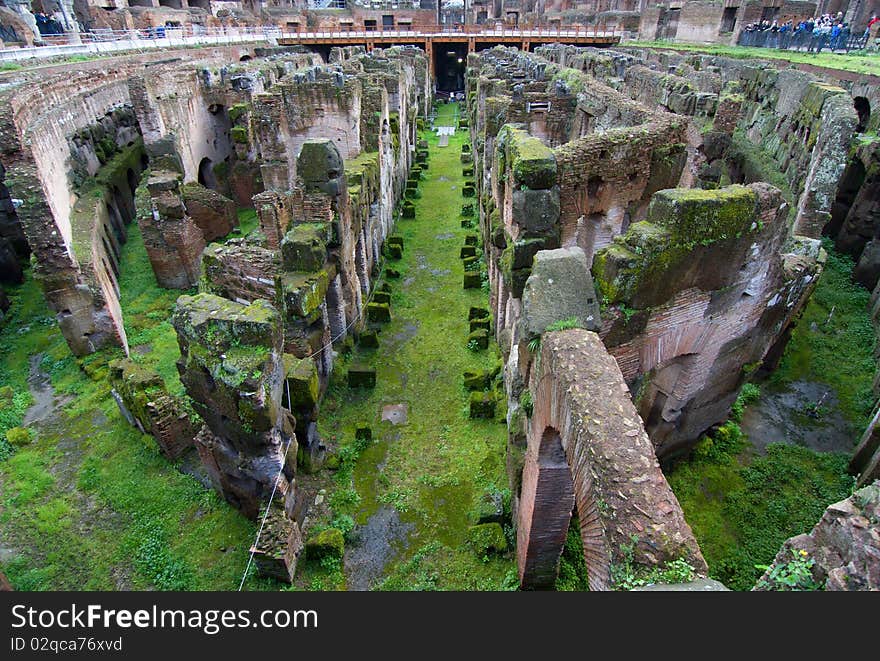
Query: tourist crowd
x=813, y=34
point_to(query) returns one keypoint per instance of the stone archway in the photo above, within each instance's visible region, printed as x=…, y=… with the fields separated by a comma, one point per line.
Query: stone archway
x=587, y=447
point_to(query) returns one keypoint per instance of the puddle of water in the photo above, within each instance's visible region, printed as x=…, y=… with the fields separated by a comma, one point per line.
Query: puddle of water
x=445, y=236
x=783, y=416
x=396, y=414
x=375, y=544
x=40, y=384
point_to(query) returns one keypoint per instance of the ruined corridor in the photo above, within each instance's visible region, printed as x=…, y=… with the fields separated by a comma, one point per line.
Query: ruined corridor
x=288, y=319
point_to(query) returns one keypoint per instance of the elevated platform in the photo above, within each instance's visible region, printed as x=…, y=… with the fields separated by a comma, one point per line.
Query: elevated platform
x=474, y=36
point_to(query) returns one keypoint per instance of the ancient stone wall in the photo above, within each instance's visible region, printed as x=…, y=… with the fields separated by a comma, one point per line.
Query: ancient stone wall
x=697, y=294
x=587, y=450
x=844, y=547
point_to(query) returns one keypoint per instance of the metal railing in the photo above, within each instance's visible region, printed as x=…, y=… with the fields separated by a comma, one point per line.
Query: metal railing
x=806, y=41
x=106, y=40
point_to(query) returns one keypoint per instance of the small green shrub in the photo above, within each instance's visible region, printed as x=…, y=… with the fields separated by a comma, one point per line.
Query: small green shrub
x=564, y=324
x=794, y=575
x=18, y=436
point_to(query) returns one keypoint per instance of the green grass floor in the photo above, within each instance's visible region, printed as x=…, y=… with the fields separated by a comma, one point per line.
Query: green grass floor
x=741, y=507
x=90, y=503
x=433, y=469
x=863, y=62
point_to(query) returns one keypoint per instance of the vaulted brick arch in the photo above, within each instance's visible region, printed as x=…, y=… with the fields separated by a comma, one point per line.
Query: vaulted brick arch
x=587, y=447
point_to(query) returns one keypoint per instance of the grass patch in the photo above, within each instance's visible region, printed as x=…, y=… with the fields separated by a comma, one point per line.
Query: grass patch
x=90, y=503
x=861, y=62
x=833, y=342
x=434, y=468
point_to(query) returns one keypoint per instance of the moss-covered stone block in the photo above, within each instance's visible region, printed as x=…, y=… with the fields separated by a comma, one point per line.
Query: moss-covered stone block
x=477, y=313
x=395, y=240
x=470, y=239
x=482, y=405
x=304, y=292
x=302, y=386
x=467, y=172
x=378, y=312
x=368, y=339
x=393, y=251
x=531, y=161
x=361, y=377
x=467, y=251
x=467, y=223
x=471, y=263
x=468, y=190
x=467, y=158
x=329, y=543
x=239, y=135
x=394, y=274
x=695, y=216
x=381, y=297
x=478, y=324
x=479, y=338
x=304, y=247
x=408, y=210
x=477, y=380
x=467, y=210
x=412, y=194
x=472, y=280
x=486, y=538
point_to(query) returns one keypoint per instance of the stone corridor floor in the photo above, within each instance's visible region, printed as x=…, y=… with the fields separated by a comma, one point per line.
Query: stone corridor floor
x=414, y=488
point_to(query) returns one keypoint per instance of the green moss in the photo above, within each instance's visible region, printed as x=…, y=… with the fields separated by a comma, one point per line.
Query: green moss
x=855, y=61
x=328, y=543
x=531, y=161
x=239, y=135
x=486, y=538
x=833, y=342
x=441, y=460
x=238, y=111
x=18, y=436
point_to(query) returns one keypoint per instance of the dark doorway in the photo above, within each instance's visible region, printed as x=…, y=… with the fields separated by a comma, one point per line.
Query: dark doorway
x=728, y=19
x=863, y=109
x=450, y=62
x=206, y=174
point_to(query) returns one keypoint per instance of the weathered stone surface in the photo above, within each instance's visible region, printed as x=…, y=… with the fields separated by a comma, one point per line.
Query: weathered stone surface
x=153, y=410
x=844, y=545
x=867, y=271
x=212, y=212
x=279, y=547
x=304, y=247
x=231, y=366
x=240, y=271
x=559, y=288
x=587, y=447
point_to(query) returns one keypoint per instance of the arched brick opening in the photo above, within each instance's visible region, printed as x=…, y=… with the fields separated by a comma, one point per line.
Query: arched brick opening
x=587, y=448
x=557, y=478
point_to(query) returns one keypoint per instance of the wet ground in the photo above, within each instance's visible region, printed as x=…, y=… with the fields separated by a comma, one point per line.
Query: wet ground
x=374, y=545
x=801, y=413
